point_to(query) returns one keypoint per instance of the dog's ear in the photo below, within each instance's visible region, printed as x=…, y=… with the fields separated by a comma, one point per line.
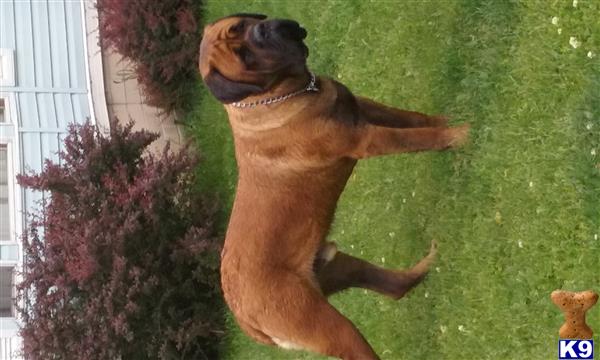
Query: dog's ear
x=227, y=91
x=242, y=15
x=254, y=16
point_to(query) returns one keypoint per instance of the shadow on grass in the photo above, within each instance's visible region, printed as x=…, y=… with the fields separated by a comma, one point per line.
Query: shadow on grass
x=471, y=75
x=588, y=169
x=473, y=68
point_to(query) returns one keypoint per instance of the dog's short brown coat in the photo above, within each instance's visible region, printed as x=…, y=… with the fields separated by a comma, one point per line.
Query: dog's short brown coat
x=294, y=158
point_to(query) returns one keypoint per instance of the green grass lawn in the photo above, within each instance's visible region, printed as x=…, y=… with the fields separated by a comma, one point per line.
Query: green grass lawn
x=516, y=212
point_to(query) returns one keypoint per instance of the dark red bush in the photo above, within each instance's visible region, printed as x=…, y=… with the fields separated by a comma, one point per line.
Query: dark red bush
x=162, y=38
x=122, y=261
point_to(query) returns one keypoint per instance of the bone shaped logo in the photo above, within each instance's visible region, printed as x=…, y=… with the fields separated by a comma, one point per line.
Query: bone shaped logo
x=574, y=305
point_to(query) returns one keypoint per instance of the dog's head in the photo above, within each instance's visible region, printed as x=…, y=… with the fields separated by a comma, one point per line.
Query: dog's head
x=247, y=54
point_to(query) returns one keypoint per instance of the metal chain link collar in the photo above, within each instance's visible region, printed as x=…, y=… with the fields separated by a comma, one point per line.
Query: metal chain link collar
x=309, y=88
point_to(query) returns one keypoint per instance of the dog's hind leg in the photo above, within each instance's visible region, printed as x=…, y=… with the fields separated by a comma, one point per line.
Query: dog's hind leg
x=301, y=318
x=343, y=271
x=257, y=335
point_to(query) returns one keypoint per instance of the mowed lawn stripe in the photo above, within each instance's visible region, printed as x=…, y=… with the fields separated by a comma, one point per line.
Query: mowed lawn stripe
x=477, y=48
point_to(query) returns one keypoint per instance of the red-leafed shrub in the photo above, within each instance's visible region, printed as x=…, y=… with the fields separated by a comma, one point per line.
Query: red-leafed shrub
x=162, y=38
x=122, y=261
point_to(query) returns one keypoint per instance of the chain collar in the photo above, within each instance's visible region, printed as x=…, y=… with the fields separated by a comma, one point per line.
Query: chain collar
x=312, y=86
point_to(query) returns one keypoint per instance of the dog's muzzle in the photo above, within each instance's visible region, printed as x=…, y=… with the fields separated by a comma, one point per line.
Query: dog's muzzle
x=277, y=30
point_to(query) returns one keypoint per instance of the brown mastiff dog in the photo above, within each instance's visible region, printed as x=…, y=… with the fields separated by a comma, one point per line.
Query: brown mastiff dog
x=297, y=139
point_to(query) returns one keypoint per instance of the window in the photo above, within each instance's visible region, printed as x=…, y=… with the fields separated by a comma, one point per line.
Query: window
x=7, y=293
x=8, y=251
x=5, y=227
x=2, y=111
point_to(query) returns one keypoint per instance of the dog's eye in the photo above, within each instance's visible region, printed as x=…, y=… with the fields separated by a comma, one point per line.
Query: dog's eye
x=245, y=55
x=238, y=28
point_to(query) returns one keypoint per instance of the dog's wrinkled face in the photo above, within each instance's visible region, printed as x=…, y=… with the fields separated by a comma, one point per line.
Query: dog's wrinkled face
x=246, y=54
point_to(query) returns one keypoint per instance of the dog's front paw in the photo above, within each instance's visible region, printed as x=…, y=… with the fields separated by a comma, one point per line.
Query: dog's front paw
x=459, y=135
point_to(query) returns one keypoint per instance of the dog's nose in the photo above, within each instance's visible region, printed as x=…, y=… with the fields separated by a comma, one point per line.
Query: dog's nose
x=289, y=29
